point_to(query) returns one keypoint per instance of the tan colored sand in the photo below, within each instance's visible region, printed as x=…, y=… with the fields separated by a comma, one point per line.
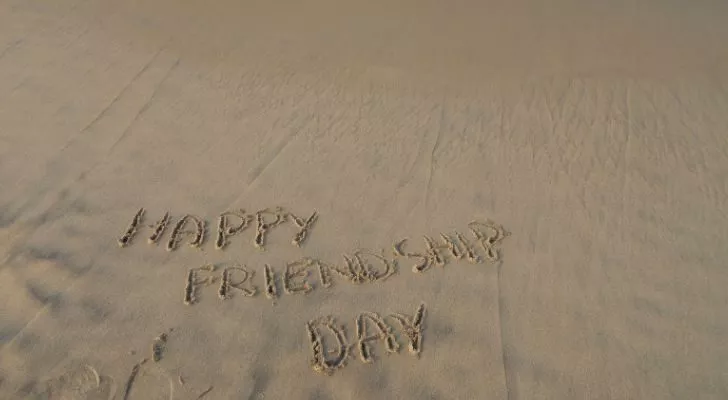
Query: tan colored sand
x=595, y=132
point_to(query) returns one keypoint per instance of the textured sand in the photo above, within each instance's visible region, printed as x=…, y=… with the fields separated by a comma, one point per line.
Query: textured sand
x=595, y=132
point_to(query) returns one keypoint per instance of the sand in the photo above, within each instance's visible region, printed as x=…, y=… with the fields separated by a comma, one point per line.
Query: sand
x=595, y=133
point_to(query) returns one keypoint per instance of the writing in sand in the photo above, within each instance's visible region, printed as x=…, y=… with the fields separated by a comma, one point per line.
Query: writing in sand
x=305, y=274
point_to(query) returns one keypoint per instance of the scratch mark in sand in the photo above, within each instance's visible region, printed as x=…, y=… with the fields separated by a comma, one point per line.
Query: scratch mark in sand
x=100, y=116
x=510, y=394
x=144, y=108
x=435, y=145
x=277, y=151
x=626, y=162
x=82, y=175
x=203, y=394
x=37, y=315
x=10, y=47
x=407, y=177
x=115, y=100
x=132, y=376
x=627, y=146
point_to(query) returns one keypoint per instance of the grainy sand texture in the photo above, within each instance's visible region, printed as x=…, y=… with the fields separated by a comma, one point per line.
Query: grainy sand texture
x=345, y=200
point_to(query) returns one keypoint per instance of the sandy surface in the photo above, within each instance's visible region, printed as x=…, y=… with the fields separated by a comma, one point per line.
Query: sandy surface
x=595, y=133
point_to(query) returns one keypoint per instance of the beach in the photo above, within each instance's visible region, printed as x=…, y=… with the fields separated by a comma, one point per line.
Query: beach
x=363, y=200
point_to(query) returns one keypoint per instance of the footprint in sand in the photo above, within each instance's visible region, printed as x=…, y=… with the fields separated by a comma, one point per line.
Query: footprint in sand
x=80, y=383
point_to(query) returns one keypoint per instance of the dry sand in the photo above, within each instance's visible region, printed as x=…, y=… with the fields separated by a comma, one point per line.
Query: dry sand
x=595, y=132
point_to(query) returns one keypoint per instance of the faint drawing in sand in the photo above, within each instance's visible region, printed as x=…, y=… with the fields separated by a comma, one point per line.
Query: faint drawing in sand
x=148, y=382
x=132, y=377
x=204, y=393
x=80, y=383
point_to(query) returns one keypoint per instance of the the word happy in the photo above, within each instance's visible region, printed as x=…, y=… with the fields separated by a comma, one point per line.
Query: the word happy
x=229, y=224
